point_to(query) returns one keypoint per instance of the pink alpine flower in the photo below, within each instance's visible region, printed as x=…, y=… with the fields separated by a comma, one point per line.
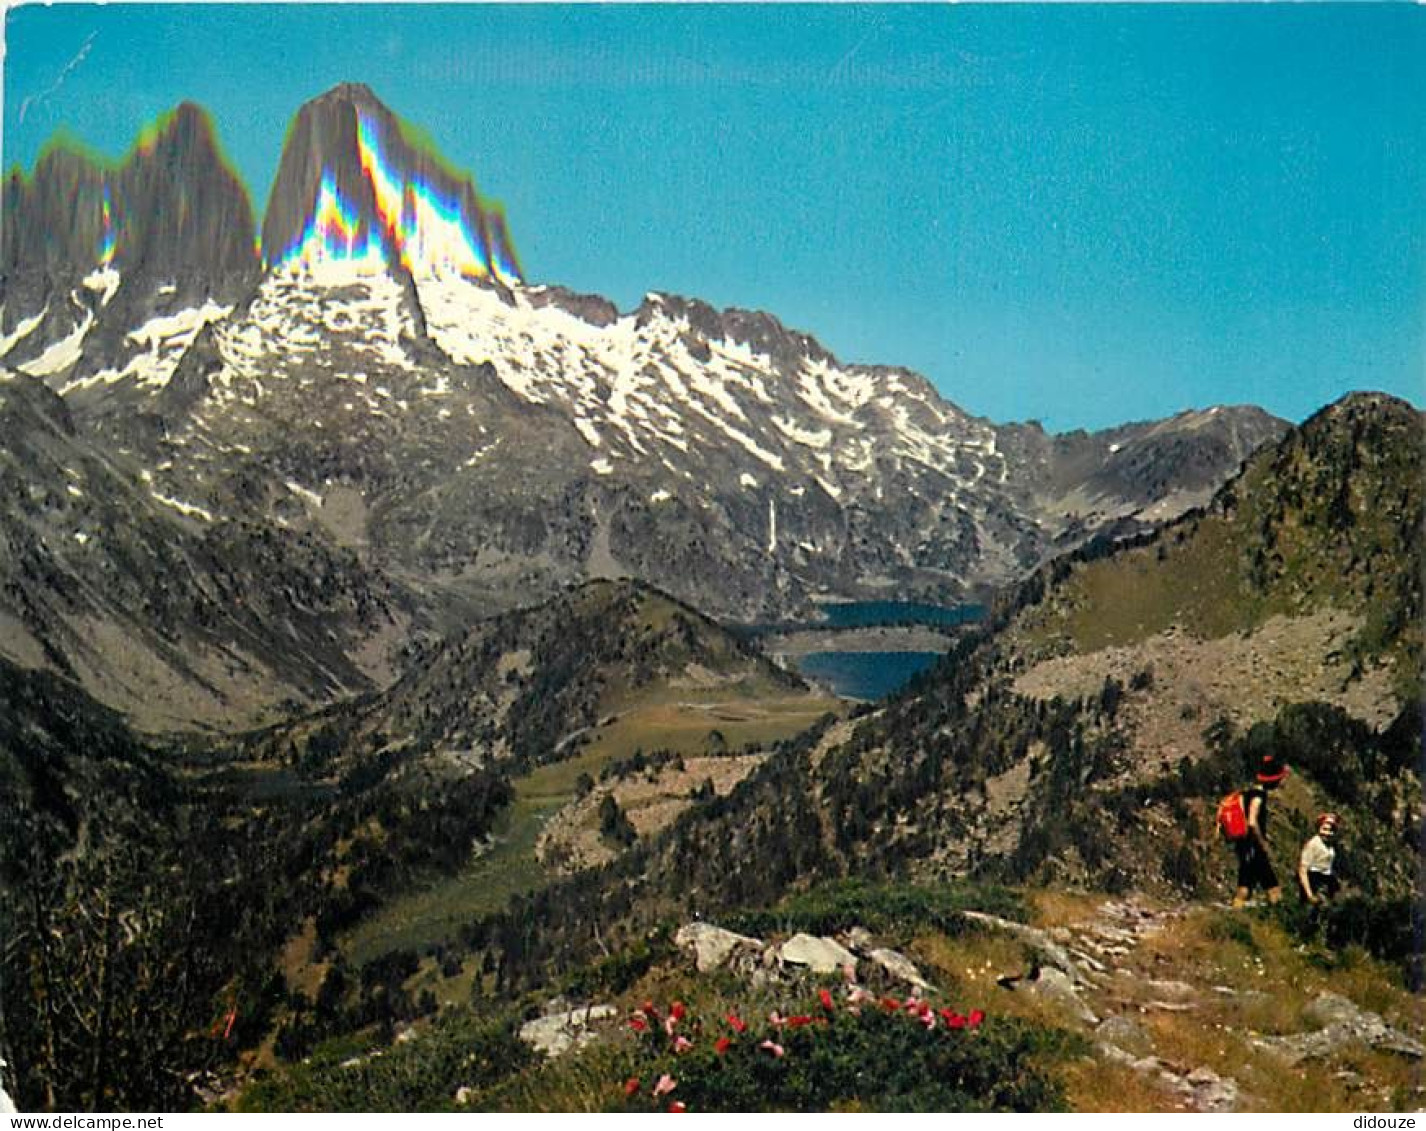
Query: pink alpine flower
x=776, y=1019
x=665, y=1085
x=772, y=1047
x=681, y=1044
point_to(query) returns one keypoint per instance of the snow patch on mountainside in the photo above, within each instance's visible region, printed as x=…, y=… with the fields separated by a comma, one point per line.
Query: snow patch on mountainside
x=23, y=329
x=60, y=355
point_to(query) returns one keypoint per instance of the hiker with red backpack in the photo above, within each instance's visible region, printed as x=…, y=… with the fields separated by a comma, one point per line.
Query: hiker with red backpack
x=1243, y=818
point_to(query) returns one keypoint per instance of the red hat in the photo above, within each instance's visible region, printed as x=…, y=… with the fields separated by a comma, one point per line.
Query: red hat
x=1271, y=771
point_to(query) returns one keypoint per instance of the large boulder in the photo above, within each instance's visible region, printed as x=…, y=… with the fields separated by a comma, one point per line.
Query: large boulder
x=899, y=967
x=713, y=946
x=820, y=955
x=1055, y=985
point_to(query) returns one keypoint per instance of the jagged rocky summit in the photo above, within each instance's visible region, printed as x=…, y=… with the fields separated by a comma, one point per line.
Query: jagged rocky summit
x=352, y=186
x=103, y=260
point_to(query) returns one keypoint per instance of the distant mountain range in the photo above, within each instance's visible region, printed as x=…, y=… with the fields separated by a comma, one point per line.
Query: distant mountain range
x=271, y=460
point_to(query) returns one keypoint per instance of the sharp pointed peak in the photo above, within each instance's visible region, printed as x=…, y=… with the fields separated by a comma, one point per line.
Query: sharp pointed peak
x=355, y=93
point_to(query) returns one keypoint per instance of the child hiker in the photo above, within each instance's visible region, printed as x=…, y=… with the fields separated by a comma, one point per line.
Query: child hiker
x=1314, y=865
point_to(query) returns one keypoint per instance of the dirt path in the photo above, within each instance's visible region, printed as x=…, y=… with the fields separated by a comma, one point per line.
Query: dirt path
x=1201, y=1009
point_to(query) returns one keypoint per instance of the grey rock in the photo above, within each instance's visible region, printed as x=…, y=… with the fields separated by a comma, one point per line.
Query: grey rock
x=857, y=938
x=820, y=955
x=712, y=946
x=1125, y=1035
x=1036, y=939
x=899, y=967
x=1090, y=961
x=1344, y=1024
x=1057, y=986
x=1333, y=1009
x=1210, y=1092
x=558, y=1033
x=1173, y=991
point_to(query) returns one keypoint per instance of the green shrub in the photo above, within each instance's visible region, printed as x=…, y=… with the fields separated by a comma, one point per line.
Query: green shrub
x=885, y=909
x=1390, y=930
x=420, y=1075
x=883, y=1058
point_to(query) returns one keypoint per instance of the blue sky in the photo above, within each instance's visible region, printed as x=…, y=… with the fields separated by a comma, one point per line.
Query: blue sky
x=1083, y=215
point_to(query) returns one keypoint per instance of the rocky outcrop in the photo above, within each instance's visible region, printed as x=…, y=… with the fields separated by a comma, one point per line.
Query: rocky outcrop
x=557, y=1032
x=712, y=947
x=820, y=955
x=715, y=948
x=898, y=966
x=1343, y=1024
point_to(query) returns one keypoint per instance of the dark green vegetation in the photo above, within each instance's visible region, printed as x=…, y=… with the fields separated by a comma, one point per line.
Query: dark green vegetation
x=144, y=904
x=151, y=889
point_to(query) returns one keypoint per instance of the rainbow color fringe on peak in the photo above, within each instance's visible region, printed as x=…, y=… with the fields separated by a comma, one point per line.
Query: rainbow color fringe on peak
x=108, y=242
x=428, y=232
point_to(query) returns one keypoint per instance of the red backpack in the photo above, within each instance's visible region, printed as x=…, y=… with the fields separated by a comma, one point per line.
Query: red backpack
x=1233, y=816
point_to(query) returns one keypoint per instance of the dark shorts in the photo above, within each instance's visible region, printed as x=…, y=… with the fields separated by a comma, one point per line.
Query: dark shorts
x=1323, y=884
x=1255, y=870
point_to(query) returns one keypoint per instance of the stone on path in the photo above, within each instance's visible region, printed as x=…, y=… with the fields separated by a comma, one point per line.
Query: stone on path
x=1055, y=985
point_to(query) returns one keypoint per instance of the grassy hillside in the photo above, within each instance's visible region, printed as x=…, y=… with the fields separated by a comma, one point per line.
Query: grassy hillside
x=1328, y=518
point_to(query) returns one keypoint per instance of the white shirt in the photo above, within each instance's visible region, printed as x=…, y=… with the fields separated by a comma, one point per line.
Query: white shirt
x=1317, y=856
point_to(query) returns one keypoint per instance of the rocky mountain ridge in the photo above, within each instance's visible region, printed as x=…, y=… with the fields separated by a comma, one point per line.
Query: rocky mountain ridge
x=378, y=378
